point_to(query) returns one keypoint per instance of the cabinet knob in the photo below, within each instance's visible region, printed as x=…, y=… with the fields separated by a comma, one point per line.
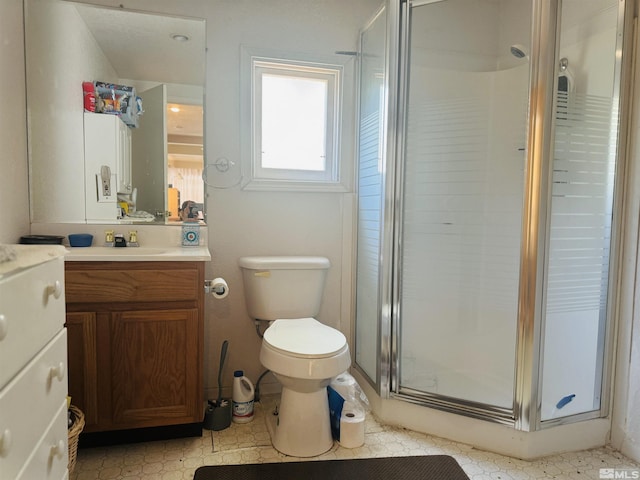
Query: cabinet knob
x=57, y=372
x=57, y=450
x=55, y=289
x=6, y=440
x=4, y=326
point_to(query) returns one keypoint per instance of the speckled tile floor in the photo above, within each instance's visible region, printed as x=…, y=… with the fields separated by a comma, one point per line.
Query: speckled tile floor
x=249, y=443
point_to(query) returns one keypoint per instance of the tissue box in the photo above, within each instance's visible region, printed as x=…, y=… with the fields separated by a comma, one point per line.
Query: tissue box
x=190, y=235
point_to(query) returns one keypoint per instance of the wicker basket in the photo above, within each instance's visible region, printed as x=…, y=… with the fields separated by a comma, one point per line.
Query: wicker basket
x=75, y=430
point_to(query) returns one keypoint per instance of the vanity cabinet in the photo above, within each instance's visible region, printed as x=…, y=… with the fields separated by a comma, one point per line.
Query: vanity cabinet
x=136, y=343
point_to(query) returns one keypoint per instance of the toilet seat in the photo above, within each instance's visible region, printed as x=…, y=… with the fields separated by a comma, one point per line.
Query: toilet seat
x=304, y=338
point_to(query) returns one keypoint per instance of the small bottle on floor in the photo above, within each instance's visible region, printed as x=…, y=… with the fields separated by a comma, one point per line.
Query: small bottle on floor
x=242, y=399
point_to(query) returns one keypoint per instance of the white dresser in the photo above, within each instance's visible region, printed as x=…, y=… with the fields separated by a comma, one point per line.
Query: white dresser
x=33, y=364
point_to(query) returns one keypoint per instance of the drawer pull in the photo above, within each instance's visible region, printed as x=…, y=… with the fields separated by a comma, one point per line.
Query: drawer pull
x=5, y=442
x=55, y=289
x=57, y=450
x=57, y=372
x=4, y=326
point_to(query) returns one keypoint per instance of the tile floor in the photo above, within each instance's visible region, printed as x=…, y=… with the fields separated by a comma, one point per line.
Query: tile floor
x=249, y=443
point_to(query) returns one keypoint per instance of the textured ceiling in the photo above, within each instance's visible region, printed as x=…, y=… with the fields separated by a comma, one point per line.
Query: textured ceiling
x=139, y=45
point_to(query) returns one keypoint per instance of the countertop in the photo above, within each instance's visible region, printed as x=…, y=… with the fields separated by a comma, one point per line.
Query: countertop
x=137, y=254
x=19, y=257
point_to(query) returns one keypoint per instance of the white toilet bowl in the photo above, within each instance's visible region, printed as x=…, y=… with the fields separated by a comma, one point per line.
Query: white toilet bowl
x=304, y=355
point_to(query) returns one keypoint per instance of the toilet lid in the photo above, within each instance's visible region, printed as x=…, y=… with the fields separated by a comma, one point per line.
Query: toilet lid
x=304, y=337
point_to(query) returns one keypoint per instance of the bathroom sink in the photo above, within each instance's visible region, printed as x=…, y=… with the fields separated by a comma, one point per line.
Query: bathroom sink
x=117, y=251
x=138, y=254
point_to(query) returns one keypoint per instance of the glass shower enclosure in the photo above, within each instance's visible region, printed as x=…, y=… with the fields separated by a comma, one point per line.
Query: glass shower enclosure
x=488, y=164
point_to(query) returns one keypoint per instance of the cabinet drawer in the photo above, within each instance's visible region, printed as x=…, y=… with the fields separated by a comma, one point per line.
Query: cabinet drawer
x=29, y=402
x=32, y=306
x=50, y=459
x=95, y=284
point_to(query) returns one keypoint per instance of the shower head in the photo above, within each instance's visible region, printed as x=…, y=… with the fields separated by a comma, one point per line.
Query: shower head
x=519, y=51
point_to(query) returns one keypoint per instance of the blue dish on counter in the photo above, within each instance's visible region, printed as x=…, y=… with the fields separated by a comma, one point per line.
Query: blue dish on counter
x=80, y=239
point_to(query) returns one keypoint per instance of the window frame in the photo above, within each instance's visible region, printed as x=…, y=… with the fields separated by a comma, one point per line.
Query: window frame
x=332, y=178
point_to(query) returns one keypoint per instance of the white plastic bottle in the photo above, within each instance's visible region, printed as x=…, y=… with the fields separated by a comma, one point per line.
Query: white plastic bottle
x=242, y=399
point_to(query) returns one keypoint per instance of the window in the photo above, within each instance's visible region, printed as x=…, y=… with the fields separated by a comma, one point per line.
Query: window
x=295, y=120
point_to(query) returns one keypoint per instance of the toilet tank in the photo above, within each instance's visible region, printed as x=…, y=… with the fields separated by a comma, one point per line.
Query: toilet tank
x=283, y=287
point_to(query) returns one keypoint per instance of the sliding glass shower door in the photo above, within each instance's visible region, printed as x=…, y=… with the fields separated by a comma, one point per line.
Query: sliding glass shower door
x=462, y=200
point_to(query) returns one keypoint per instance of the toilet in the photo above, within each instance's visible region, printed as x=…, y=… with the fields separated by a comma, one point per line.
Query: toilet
x=302, y=353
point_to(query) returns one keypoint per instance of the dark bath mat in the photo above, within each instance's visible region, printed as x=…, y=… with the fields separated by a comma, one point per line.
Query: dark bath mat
x=431, y=467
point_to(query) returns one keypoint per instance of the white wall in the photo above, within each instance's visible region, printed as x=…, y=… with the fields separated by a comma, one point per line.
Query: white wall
x=445, y=30
x=14, y=185
x=250, y=223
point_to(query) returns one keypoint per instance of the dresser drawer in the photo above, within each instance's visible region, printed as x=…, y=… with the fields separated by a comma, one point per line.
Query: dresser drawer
x=32, y=307
x=29, y=402
x=50, y=458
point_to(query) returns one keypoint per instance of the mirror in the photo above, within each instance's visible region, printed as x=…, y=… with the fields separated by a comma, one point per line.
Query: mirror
x=163, y=59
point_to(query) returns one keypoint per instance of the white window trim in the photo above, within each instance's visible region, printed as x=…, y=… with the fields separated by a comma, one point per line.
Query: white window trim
x=338, y=176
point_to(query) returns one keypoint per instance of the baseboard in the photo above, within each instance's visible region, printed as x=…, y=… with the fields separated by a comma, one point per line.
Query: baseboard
x=118, y=437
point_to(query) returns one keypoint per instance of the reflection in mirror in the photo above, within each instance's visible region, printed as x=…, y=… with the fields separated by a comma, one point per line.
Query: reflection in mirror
x=185, y=156
x=163, y=59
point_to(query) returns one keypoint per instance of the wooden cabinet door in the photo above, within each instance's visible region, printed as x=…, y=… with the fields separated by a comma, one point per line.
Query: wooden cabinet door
x=154, y=367
x=82, y=365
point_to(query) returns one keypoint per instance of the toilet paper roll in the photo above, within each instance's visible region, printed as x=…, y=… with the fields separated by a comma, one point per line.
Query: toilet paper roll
x=219, y=288
x=352, y=428
x=345, y=385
